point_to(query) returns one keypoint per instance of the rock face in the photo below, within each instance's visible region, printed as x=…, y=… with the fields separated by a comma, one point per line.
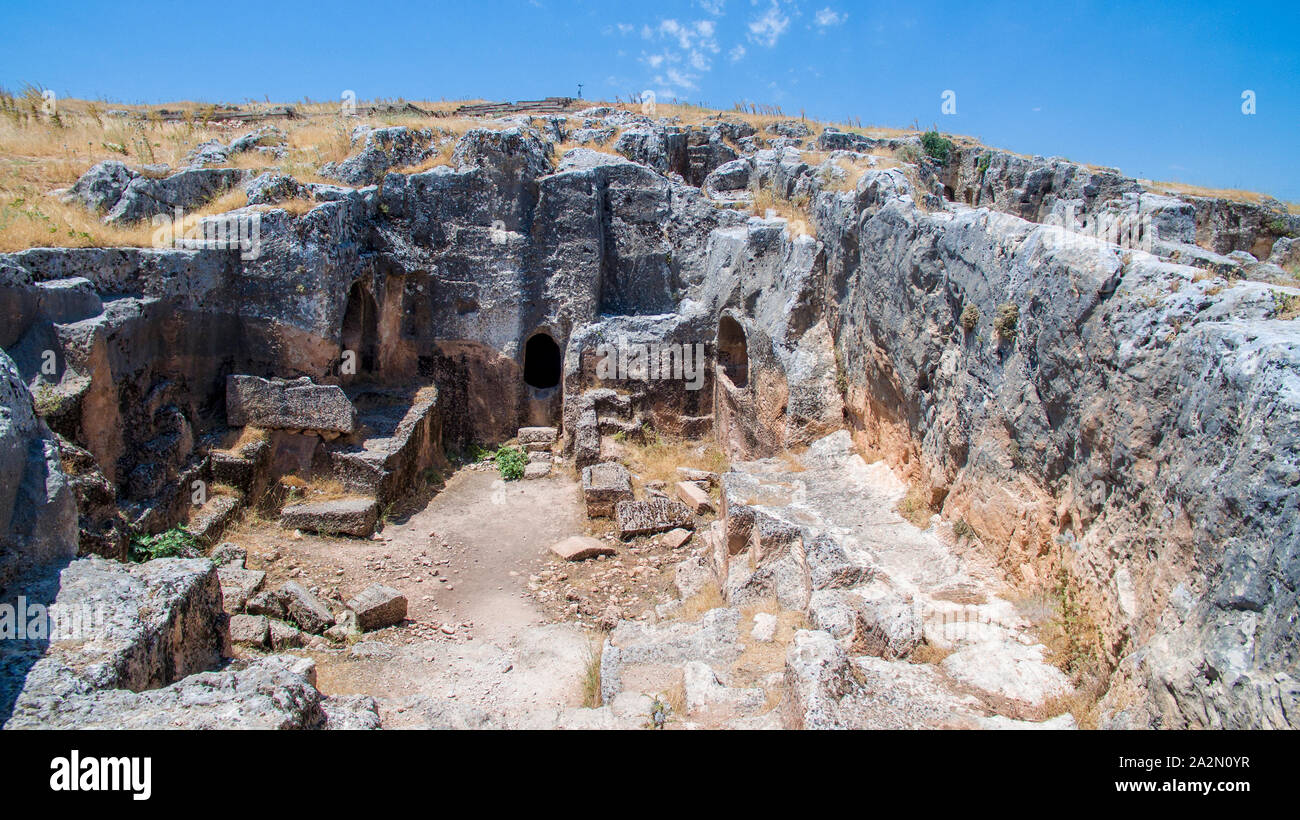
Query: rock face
x=116, y=626
x=1139, y=398
x=38, y=511
x=282, y=405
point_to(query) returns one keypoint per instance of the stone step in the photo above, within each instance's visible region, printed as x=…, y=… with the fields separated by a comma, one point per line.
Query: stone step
x=356, y=516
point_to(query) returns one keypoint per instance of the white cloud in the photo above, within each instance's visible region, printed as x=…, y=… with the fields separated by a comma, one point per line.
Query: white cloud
x=714, y=7
x=828, y=17
x=737, y=53
x=684, y=52
x=768, y=28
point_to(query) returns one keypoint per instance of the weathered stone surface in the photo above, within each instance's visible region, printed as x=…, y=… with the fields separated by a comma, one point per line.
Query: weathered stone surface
x=102, y=186
x=119, y=626
x=345, y=516
x=38, y=509
x=288, y=405
x=145, y=196
x=649, y=517
x=1017, y=673
x=266, y=603
x=537, y=435
x=250, y=630
x=378, y=606
x=537, y=469
x=580, y=548
x=238, y=585
x=604, y=485
x=381, y=149
x=286, y=636
x=272, y=693
x=305, y=609
x=229, y=555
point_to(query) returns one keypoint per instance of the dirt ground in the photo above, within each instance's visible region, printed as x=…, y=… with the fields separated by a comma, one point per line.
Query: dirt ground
x=495, y=620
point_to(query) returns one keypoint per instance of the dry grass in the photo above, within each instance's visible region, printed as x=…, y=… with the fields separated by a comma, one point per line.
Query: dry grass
x=1233, y=194
x=591, y=674
x=769, y=206
x=247, y=436
x=915, y=506
x=706, y=600
x=928, y=653
x=40, y=154
x=658, y=458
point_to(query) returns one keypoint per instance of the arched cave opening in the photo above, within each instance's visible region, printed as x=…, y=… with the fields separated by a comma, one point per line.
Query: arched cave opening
x=542, y=361
x=733, y=351
x=361, y=327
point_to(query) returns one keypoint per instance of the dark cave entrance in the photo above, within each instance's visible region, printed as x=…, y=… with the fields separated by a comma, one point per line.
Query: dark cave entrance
x=733, y=351
x=361, y=327
x=542, y=362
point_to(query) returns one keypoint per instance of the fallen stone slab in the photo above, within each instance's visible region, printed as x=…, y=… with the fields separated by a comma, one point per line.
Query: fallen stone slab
x=649, y=517
x=675, y=539
x=305, y=609
x=537, y=469
x=250, y=630
x=286, y=636
x=537, y=435
x=694, y=496
x=277, y=404
x=378, y=606
x=604, y=486
x=238, y=585
x=345, y=516
x=266, y=603
x=228, y=554
x=580, y=548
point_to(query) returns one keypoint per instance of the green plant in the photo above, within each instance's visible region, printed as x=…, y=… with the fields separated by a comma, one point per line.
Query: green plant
x=1007, y=319
x=658, y=714
x=1279, y=227
x=983, y=165
x=1285, y=305
x=970, y=316
x=938, y=147
x=511, y=463
x=177, y=542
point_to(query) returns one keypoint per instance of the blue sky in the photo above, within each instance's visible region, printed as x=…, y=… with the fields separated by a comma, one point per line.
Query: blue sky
x=1152, y=88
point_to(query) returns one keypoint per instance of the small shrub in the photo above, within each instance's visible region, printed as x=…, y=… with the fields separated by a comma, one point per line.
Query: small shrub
x=983, y=165
x=963, y=529
x=177, y=542
x=1007, y=319
x=938, y=147
x=970, y=316
x=511, y=463
x=1285, y=305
